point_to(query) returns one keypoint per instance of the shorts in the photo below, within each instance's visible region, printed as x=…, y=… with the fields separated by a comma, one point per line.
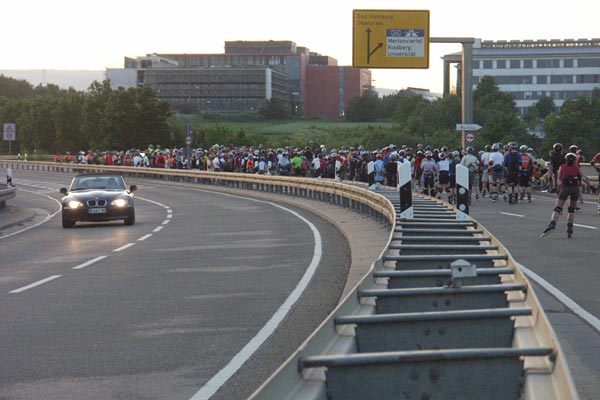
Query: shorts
x=444, y=177
x=497, y=176
x=512, y=178
x=485, y=177
x=524, y=180
x=569, y=192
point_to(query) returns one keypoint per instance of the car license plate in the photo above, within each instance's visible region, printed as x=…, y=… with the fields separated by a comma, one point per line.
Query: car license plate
x=97, y=210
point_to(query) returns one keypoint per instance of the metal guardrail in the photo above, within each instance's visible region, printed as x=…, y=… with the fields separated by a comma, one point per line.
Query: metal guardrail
x=6, y=192
x=329, y=364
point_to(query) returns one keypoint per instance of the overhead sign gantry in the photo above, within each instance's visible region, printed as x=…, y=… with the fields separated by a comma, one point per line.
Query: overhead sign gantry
x=390, y=38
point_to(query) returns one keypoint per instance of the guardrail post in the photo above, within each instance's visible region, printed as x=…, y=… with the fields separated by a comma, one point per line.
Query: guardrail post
x=462, y=193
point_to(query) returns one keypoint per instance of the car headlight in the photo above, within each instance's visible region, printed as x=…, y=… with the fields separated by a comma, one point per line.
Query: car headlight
x=75, y=204
x=119, y=203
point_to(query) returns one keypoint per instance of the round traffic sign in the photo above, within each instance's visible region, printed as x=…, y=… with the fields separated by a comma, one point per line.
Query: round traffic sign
x=188, y=140
x=469, y=137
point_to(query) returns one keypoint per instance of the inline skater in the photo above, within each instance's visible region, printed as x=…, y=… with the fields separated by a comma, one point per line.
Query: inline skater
x=484, y=159
x=471, y=162
x=594, y=163
x=569, y=179
x=496, y=172
x=557, y=158
x=512, y=163
x=526, y=174
x=429, y=171
x=443, y=174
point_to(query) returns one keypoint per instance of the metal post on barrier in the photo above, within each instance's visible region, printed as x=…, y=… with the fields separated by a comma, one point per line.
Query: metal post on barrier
x=462, y=192
x=405, y=189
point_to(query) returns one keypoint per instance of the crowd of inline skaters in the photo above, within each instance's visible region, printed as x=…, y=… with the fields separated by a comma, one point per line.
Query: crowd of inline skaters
x=507, y=172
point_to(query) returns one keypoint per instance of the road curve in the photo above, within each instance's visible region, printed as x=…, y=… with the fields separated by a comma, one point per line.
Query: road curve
x=156, y=309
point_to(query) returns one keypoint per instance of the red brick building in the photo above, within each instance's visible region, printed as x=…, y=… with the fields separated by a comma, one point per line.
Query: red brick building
x=329, y=89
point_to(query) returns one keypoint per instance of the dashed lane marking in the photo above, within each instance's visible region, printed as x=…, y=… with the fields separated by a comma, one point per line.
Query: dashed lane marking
x=128, y=245
x=144, y=237
x=34, y=284
x=90, y=262
x=513, y=215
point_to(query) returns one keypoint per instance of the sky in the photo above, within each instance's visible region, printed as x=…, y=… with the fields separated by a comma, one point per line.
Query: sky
x=95, y=35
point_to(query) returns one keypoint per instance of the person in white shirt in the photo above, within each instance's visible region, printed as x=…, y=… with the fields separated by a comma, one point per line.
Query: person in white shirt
x=443, y=174
x=484, y=159
x=496, y=172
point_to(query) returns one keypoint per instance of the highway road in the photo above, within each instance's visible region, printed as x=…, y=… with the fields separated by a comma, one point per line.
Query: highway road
x=569, y=267
x=160, y=318
x=157, y=309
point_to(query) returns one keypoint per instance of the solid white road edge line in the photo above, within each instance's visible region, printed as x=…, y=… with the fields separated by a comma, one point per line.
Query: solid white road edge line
x=217, y=381
x=563, y=298
x=34, y=284
x=128, y=245
x=48, y=218
x=90, y=262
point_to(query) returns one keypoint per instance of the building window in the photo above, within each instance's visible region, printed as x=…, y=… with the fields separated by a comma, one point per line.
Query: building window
x=514, y=80
x=475, y=64
x=548, y=63
x=588, y=62
x=558, y=79
x=527, y=63
x=487, y=64
x=514, y=64
x=501, y=64
x=588, y=78
x=542, y=79
x=568, y=63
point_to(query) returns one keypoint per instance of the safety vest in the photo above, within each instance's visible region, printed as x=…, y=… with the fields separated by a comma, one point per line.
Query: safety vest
x=525, y=161
x=57, y=158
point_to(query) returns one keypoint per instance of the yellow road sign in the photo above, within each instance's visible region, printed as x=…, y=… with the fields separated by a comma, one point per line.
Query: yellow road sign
x=390, y=38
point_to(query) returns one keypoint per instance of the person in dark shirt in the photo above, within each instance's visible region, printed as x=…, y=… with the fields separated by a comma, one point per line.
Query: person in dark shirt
x=569, y=179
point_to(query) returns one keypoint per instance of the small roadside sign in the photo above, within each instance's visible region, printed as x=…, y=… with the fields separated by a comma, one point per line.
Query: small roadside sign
x=468, y=127
x=9, y=131
x=188, y=140
x=469, y=137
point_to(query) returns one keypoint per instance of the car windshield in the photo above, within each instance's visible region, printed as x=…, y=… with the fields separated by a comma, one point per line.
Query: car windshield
x=98, y=182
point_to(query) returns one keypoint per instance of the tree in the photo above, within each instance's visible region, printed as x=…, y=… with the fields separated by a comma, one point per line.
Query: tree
x=496, y=112
x=544, y=106
x=363, y=108
x=274, y=109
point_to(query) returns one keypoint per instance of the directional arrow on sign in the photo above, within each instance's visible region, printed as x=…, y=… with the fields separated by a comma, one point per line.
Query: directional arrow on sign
x=369, y=52
x=468, y=127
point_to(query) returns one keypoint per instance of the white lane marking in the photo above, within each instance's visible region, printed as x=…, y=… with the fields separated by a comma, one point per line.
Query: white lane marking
x=48, y=218
x=144, y=237
x=158, y=229
x=513, y=215
x=128, y=245
x=90, y=262
x=587, y=227
x=166, y=221
x=34, y=284
x=563, y=298
x=217, y=381
x=169, y=216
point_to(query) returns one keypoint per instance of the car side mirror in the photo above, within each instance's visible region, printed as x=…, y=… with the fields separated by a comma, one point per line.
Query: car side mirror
x=132, y=188
x=63, y=191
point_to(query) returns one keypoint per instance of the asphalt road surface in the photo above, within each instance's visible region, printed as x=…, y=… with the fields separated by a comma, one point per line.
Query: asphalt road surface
x=570, y=266
x=155, y=310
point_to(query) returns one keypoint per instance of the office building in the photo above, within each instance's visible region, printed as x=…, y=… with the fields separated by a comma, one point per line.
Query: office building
x=241, y=79
x=530, y=69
